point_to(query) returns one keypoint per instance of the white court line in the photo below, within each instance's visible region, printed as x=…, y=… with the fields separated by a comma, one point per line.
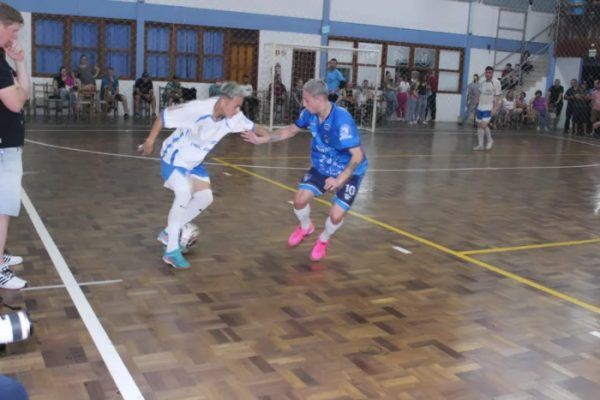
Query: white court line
x=402, y=250
x=101, y=153
x=568, y=139
x=464, y=169
x=122, y=377
x=93, y=283
x=290, y=202
x=226, y=173
x=595, y=333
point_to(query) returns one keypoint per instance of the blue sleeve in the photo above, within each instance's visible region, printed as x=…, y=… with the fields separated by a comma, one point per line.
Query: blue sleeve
x=340, y=76
x=303, y=119
x=348, y=134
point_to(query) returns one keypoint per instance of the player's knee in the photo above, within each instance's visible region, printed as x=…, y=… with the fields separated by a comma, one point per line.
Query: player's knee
x=337, y=215
x=183, y=196
x=206, y=195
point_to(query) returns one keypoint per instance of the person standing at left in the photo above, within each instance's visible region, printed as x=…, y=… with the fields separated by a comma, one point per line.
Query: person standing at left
x=14, y=92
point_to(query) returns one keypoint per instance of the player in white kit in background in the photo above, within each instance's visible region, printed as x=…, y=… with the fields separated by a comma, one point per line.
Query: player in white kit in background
x=489, y=104
x=200, y=125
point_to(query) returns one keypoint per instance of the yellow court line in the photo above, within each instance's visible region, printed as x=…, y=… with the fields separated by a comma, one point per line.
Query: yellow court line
x=414, y=155
x=489, y=267
x=529, y=247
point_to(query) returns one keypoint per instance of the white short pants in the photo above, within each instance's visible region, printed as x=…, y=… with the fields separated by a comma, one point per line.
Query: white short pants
x=11, y=172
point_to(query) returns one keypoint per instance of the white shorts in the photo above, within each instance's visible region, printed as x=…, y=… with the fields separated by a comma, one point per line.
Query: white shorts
x=11, y=172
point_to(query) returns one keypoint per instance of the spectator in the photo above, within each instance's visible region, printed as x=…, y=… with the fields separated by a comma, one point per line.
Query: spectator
x=347, y=99
x=507, y=114
x=296, y=99
x=109, y=91
x=520, y=108
x=215, y=89
x=280, y=92
x=580, y=117
x=65, y=89
x=86, y=73
x=250, y=105
x=14, y=92
x=335, y=80
x=473, y=91
x=413, y=99
x=432, y=88
x=143, y=90
x=390, y=96
x=555, y=102
x=173, y=92
x=422, y=100
x=538, y=104
x=596, y=102
x=526, y=66
x=506, y=77
x=402, y=97
x=570, y=98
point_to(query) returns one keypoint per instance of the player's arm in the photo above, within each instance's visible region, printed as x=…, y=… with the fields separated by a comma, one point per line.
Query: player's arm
x=148, y=146
x=262, y=135
x=333, y=184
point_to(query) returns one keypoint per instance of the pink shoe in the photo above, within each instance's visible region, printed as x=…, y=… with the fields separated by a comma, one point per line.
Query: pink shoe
x=299, y=234
x=319, y=250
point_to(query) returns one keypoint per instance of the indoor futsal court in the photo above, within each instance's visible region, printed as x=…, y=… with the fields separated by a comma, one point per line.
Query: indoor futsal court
x=464, y=269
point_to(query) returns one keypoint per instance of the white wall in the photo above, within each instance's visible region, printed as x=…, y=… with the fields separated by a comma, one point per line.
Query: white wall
x=393, y=13
x=266, y=62
x=485, y=22
x=311, y=9
x=448, y=107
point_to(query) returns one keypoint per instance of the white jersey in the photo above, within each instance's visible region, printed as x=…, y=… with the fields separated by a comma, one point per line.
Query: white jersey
x=489, y=91
x=197, y=132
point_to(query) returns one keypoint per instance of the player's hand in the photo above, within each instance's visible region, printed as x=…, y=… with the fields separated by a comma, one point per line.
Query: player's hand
x=15, y=52
x=146, y=148
x=252, y=137
x=333, y=184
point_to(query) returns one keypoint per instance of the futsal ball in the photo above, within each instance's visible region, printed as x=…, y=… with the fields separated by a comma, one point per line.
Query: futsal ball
x=189, y=236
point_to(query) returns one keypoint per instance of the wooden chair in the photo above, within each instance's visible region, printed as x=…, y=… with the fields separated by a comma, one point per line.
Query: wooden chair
x=39, y=98
x=87, y=103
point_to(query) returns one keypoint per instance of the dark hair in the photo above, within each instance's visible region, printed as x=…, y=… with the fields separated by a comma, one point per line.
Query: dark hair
x=508, y=64
x=61, y=68
x=489, y=68
x=538, y=92
x=9, y=15
x=333, y=59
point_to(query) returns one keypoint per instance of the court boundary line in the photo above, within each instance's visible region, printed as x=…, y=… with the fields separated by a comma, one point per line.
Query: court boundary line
x=430, y=243
x=91, y=283
x=107, y=350
x=493, y=250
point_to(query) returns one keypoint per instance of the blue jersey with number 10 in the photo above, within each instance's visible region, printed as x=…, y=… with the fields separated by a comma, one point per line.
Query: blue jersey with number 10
x=332, y=140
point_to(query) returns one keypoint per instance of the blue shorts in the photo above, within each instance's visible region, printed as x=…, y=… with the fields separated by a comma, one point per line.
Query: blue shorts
x=168, y=169
x=314, y=181
x=483, y=116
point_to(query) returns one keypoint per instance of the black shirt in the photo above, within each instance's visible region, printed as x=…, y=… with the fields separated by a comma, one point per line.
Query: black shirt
x=12, y=124
x=570, y=93
x=144, y=87
x=555, y=92
x=60, y=83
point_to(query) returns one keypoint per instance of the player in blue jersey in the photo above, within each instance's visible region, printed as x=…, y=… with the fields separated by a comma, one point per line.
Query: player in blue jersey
x=338, y=162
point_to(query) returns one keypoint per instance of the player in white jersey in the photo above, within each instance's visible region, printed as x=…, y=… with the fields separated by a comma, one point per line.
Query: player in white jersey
x=200, y=125
x=489, y=104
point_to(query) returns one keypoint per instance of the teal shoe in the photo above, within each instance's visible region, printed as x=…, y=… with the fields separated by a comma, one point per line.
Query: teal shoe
x=175, y=259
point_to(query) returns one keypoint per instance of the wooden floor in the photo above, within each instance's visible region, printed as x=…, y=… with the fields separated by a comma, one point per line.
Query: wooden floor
x=469, y=314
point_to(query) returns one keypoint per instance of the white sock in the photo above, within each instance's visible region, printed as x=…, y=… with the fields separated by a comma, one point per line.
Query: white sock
x=480, y=134
x=330, y=229
x=199, y=202
x=488, y=134
x=303, y=216
x=176, y=215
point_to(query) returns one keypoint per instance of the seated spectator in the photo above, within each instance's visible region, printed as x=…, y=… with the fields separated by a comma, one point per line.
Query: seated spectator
x=215, y=89
x=347, y=99
x=364, y=96
x=507, y=113
x=86, y=74
x=173, y=92
x=526, y=66
x=143, y=90
x=250, y=105
x=521, y=107
x=296, y=99
x=65, y=88
x=506, y=78
x=538, y=105
x=109, y=91
x=280, y=92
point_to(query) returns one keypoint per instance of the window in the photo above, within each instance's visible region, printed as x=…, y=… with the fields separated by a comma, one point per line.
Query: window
x=400, y=59
x=62, y=40
x=196, y=53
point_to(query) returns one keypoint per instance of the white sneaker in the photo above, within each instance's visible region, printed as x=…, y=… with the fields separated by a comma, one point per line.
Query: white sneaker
x=8, y=280
x=489, y=144
x=10, y=259
x=477, y=148
x=537, y=128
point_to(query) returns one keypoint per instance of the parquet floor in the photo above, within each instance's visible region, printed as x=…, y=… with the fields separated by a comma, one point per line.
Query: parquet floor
x=255, y=320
